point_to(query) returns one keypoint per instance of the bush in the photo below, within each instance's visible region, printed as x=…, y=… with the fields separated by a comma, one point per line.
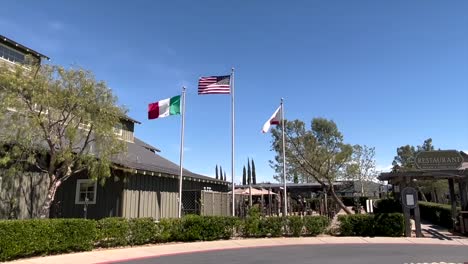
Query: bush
x=24, y=238
x=166, y=230
x=271, y=226
x=142, y=231
x=315, y=225
x=391, y=225
x=439, y=214
x=113, y=232
x=372, y=225
x=387, y=206
x=295, y=225
x=356, y=225
x=201, y=228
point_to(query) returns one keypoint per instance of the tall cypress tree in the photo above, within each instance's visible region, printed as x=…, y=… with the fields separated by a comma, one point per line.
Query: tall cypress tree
x=254, y=174
x=249, y=173
x=220, y=172
x=244, y=177
x=225, y=176
x=217, y=175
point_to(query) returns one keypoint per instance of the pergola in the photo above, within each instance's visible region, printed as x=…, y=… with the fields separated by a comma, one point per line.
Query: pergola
x=457, y=176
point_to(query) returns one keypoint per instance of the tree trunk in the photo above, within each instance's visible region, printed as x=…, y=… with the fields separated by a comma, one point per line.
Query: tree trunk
x=423, y=196
x=45, y=210
x=338, y=201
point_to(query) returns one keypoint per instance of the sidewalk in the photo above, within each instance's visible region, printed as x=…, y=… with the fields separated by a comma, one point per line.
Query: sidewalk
x=111, y=255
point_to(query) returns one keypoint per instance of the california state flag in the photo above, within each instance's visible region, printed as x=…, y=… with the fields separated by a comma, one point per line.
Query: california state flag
x=274, y=120
x=164, y=108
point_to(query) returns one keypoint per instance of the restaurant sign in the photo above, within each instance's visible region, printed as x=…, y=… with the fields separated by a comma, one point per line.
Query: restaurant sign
x=439, y=160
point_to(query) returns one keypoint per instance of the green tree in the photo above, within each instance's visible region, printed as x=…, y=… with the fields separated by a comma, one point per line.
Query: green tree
x=361, y=168
x=63, y=119
x=404, y=161
x=315, y=155
x=225, y=179
x=249, y=173
x=244, y=177
x=254, y=174
x=216, y=169
x=220, y=172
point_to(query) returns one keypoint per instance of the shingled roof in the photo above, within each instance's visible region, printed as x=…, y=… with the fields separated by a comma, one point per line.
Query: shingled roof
x=140, y=158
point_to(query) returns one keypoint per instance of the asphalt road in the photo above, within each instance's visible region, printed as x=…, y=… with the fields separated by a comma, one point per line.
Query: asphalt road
x=321, y=254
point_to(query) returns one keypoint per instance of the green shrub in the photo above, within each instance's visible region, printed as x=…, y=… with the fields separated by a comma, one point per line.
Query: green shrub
x=391, y=225
x=295, y=225
x=372, y=225
x=113, y=232
x=24, y=238
x=142, y=231
x=387, y=206
x=166, y=230
x=439, y=214
x=271, y=226
x=315, y=225
x=356, y=225
x=198, y=228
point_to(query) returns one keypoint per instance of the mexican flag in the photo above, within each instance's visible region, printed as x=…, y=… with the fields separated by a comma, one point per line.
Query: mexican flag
x=164, y=108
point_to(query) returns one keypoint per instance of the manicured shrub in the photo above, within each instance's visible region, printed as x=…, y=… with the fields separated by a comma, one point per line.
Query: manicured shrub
x=439, y=214
x=142, y=231
x=315, y=225
x=387, y=206
x=295, y=225
x=356, y=225
x=271, y=226
x=24, y=238
x=166, y=230
x=113, y=232
x=372, y=225
x=391, y=225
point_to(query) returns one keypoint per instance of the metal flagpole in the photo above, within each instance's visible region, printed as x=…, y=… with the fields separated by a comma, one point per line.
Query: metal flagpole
x=232, y=143
x=285, y=210
x=181, y=153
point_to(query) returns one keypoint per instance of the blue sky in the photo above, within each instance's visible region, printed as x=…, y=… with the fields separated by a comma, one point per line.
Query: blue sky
x=389, y=73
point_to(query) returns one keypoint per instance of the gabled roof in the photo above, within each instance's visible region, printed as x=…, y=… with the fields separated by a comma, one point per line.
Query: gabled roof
x=25, y=49
x=140, y=158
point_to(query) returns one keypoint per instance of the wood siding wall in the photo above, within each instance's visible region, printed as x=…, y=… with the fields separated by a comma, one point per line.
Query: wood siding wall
x=108, y=200
x=153, y=196
x=21, y=196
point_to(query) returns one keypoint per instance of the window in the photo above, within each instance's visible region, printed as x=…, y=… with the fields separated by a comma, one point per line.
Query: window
x=118, y=129
x=11, y=54
x=85, y=189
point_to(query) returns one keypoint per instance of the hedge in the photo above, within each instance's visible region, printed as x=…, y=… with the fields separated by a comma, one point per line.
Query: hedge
x=385, y=224
x=25, y=238
x=439, y=214
x=387, y=206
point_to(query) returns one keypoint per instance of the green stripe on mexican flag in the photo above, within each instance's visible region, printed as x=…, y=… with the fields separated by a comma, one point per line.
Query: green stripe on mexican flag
x=164, y=108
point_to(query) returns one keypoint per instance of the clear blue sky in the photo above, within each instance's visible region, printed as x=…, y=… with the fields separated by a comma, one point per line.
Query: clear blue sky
x=389, y=73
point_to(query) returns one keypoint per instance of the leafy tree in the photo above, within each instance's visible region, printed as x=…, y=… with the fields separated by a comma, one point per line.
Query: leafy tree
x=249, y=173
x=315, y=155
x=254, y=174
x=361, y=168
x=63, y=119
x=244, y=177
x=405, y=161
x=216, y=169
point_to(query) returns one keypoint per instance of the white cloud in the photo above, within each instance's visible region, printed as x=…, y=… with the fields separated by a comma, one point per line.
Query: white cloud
x=383, y=168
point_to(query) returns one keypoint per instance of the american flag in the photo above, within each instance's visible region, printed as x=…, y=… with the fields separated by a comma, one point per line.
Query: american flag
x=214, y=85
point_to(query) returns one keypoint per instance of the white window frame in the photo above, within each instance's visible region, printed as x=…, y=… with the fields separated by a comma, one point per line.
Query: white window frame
x=118, y=129
x=77, y=193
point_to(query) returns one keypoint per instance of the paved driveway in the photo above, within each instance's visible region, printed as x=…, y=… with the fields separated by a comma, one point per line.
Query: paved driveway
x=321, y=254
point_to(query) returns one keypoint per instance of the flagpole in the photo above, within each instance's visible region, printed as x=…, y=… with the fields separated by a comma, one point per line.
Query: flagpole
x=232, y=143
x=285, y=210
x=181, y=153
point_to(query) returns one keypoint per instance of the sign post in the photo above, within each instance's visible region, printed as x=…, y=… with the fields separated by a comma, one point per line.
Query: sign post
x=409, y=198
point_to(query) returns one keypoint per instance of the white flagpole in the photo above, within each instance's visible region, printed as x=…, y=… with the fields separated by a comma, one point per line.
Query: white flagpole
x=232, y=143
x=285, y=210
x=181, y=153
